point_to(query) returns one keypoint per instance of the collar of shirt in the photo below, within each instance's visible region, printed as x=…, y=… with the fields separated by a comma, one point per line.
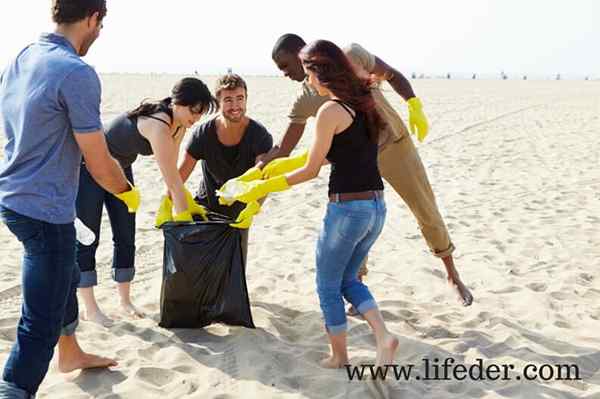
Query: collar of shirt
x=58, y=39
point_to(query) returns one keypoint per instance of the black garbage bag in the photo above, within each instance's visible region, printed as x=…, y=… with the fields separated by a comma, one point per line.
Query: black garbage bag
x=204, y=275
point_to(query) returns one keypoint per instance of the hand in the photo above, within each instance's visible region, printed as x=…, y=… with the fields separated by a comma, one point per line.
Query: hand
x=250, y=175
x=131, y=198
x=260, y=188
x=281, y=166
x=164, y=213
x=417, y=119
x=244, y=219
x=193, y=207
x=184, y=216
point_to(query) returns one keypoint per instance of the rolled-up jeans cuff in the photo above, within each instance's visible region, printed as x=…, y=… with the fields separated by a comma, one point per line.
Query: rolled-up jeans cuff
x=445, y=252
x=9, y=390
x=123, y=275
x=366, y=306
x=70, y=328
x=88, y=279
x=336, y=330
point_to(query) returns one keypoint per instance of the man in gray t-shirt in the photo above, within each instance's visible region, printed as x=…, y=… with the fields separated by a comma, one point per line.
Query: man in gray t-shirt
x=50, y=109
x=227, y=146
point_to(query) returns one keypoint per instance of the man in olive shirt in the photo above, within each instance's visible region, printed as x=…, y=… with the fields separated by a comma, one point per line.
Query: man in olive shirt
x=399, y=161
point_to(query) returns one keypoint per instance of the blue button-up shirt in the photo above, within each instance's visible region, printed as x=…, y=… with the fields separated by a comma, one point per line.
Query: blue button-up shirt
x=47, y=94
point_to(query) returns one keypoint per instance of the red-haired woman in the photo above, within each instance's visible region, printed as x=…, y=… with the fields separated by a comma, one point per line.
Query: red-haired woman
x=346, y=135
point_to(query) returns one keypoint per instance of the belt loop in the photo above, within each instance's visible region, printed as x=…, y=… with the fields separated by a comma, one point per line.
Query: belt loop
x=337, y=197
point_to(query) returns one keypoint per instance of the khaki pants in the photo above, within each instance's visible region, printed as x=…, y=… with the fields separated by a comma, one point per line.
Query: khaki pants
x=401, y=166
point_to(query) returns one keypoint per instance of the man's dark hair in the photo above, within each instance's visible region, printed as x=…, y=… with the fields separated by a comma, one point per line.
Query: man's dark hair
x=290, y=43
x=70, y=11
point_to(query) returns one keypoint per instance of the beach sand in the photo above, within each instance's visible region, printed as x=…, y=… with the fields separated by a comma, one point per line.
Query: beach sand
x=514, y=165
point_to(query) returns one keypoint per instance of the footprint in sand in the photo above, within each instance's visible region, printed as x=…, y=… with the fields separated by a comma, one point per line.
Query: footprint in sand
x=155, y=376
x=537, y=287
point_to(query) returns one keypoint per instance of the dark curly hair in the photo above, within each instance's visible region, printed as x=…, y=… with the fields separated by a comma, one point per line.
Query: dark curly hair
x=70, y=11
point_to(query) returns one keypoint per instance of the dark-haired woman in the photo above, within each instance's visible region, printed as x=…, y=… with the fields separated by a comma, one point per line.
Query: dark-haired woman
x=347, y=129
x=153, y=128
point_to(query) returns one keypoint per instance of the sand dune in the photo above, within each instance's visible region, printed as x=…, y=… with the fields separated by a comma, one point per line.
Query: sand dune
x=514, y=165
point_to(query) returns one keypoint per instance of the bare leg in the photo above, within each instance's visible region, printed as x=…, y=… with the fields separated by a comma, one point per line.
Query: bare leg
x=464, y=295
x=339, y=352
x=387, y=343
x=92, y=311
x=126, y=305
x=71, y=357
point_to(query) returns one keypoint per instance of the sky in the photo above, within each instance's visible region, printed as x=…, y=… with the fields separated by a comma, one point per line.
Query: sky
x=532, y=37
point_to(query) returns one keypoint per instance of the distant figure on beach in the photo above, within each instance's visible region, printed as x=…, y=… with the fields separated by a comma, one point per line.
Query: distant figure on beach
x=474, y=76
x=448, y=76
x=413, y=75
x=347, y=129
x=399, y=161
x=228, y=145
x=524, y=77
x=152, y=128
x=558, y=76
x=50, y=106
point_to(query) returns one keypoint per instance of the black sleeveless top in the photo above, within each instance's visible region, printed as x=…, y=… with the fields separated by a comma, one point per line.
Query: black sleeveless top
x=125, y=142
x=353, y=158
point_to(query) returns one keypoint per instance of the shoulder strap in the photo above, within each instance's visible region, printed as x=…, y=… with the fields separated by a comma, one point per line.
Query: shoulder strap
x=346, y=107
x=158, y=119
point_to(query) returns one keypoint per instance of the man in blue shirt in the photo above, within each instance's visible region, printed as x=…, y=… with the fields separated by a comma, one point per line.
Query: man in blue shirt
x=50, y=109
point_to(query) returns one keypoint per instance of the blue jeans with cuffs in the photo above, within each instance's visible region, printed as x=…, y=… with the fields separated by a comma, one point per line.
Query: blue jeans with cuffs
x=91, y=198
x=349, y=231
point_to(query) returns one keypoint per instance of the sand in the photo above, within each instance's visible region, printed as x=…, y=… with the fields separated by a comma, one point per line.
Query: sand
x=514, y=165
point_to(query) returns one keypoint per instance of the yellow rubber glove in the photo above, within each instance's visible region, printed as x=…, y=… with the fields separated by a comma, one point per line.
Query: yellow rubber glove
x=244, y=219
x=164, y=213
x=195, y=208
x=281, y=166
x=417, y=119
x=251, y=175
x=260, y=188
x=184, y=216
x=131, y=198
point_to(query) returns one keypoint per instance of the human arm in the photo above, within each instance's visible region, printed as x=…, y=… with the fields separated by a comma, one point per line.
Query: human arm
x=80, y=94
x=102, y=166
x=326, y=125
x=165, y=151
x=367, y=64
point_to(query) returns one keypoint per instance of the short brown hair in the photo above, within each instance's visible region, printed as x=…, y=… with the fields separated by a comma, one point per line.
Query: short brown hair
x=70, y=11
x=230, y=81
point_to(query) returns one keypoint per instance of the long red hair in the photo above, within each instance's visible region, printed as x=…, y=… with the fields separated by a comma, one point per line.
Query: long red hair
x=334, y=71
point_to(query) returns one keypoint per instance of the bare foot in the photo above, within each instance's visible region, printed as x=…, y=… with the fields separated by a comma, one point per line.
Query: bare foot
x=97, y=317
x=83, y=361
x=386, y=351
x=129, y=309
x=463, y=293
x=333, y=362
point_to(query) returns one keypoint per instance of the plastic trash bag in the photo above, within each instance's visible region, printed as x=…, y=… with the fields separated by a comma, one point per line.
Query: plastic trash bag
x=204, y=275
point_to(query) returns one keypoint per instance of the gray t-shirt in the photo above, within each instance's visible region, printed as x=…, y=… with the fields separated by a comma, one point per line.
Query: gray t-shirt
x=46, y=94
x=221, y=163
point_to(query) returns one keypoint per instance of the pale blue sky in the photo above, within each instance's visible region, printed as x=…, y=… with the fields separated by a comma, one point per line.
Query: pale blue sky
x=535, y=37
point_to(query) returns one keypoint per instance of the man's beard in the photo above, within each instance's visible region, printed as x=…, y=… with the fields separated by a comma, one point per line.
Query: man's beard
x=234, y=119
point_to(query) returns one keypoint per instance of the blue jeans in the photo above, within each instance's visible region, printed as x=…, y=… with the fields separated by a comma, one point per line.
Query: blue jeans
x=349, y=231
x=90, y=200
x=49, y=283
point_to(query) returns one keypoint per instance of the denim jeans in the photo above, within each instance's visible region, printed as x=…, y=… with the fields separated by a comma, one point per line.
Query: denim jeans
x=49, y=283
x=90, y=200
x=350, y=229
